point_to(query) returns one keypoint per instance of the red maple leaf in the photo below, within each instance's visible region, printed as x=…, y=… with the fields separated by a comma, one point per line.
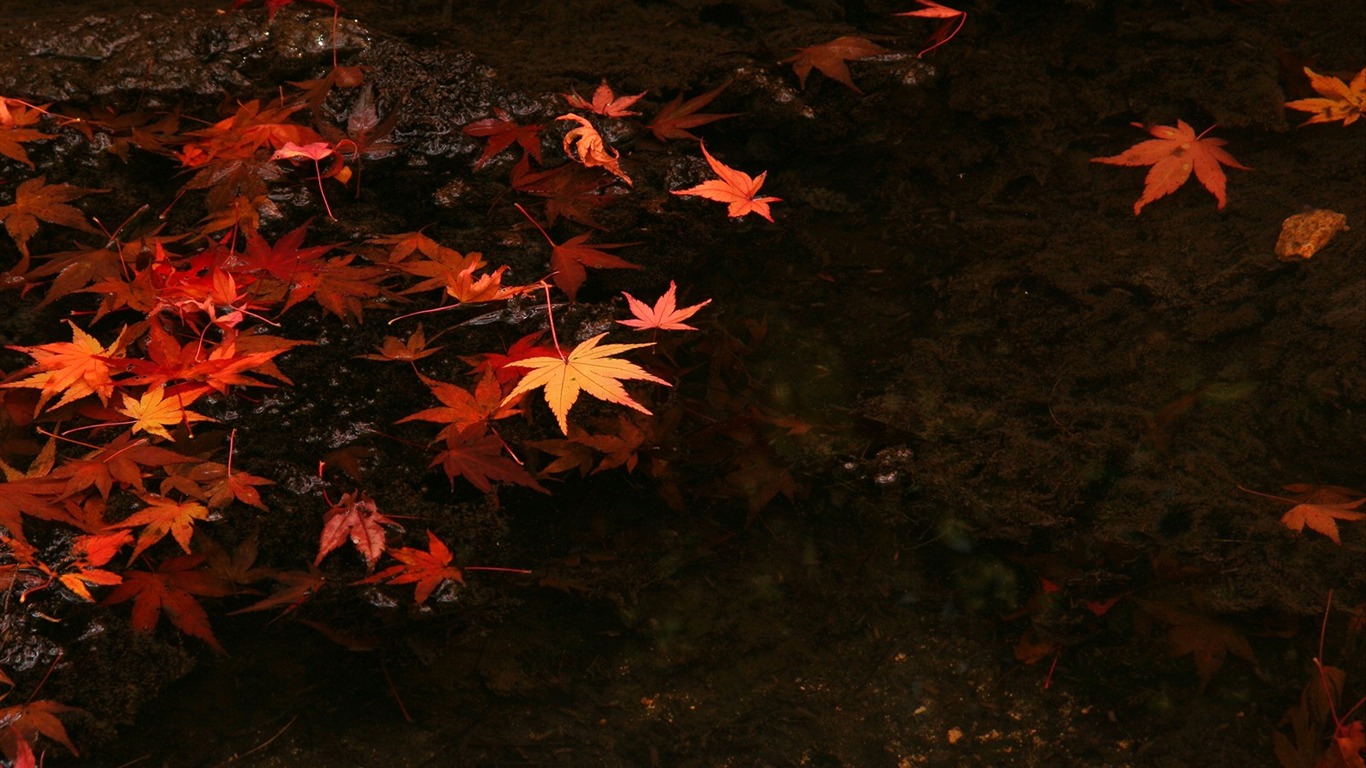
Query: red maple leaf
x=480, y=457
x=521, y=349
x=355, y=517
x=171, y=589
x=426, y=569
x=571, y=190
x=21, y=723
x=829, y=58
x=735, y=188
x=1173, y=155
x=502, y=132
x=676, y=117
x=569, y=259
x=933, y=10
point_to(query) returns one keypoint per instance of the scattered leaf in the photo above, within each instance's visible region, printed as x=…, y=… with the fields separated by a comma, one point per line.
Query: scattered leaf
x=829, y=58
x=664, y=315
x=735, y=188
x=1172, y=155
x=675, y=118
x=605, y=103
x=585, y=145
x=1341, y=101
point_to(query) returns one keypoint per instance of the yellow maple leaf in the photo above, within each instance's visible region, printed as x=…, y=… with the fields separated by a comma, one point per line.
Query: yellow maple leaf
x=587, y=368
x=154, y=411
x=1342, y=101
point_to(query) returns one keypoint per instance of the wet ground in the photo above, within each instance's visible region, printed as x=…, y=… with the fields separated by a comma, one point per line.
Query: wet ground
x=992, y=492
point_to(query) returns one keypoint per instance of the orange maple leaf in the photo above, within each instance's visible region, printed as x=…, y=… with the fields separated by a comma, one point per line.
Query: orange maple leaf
x=1173, y=155
x=161, y=516
x=605, y=103
x=462, y=407
x=1319, y=507
x=829, y=58
x=1341, y=101
x=397, y=350
x=13, y=130
x=154, y=411
x=75, y=368
x=585, y=144
x=735, y=188
x=36, y=200
x=664, y=315
x=587, y=368
x=426, y=569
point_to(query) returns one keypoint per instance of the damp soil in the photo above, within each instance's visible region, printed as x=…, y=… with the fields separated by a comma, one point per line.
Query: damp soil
x=1017, y=416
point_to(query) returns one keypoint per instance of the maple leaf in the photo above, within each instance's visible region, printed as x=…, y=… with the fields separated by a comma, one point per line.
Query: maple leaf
x=664, y=315
x=23, y=722
x=571, y=190
x=590, y=150
x=502, y=132
x=605, y=102
x=76, y=368
x=92, y=552
x=14, y=117
x=222, y=484
x=467, y=289
x=829, y=58
x=1341, y=101
x=355, y=517
x=427, y=569
x=568, y=259
x=1173, y=155
x=393, y=349
x=479, y=456
x=675, y=118
x=933, y=10
x=171, y=589
x=154, y=411
x=119, y=461
x=462, y=407
x=36, y=200
x=497, y=362
x=1206, y=641
x=735, y=188
x=1319, y=507
x=161, y=516
x=587, y=368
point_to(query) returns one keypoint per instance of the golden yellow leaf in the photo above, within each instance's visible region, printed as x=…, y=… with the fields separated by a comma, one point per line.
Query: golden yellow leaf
x=153, y=412
x=588, y=368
